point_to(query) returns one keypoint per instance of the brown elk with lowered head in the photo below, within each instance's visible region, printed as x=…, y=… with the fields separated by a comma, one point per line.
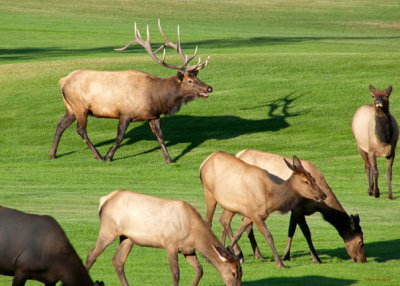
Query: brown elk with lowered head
x=173, y=225
x=129, y=95
x=376, y=132
x=332, y=211
x=241, y=188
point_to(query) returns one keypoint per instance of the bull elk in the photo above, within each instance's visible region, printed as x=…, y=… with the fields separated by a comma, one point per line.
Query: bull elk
x=376, y=132
x=161, y=223
x=130, y=95
x=332, y=211
x=241, y=188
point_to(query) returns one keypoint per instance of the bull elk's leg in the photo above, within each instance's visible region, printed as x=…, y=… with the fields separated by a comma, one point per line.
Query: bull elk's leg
x=265, y=232
x=389, y=175
x=173, y=264
x=125, y=246
x=155, y=125
x=66, y=121
x=192, y=259
x=368, y=171
x=122, y=126
x=375, y=173
x=81, y=129
x=225, y=221
x=253, y=242
x=291, y=231
x=301, y=220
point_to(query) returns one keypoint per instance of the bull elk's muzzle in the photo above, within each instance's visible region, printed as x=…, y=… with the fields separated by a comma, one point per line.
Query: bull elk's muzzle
x=204, y=94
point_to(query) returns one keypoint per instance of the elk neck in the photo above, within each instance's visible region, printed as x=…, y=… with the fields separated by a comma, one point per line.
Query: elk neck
x=339, y=219
x=383, y=125
x=168, y=97
x=281, y=197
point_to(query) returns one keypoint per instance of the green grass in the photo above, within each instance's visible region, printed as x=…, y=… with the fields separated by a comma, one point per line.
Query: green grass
x=287, y=78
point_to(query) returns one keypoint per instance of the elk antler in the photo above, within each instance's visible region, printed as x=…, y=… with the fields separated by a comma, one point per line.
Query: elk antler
x=147, y=46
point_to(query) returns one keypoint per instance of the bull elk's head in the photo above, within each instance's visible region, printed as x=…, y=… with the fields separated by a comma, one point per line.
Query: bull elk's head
x=187, y=74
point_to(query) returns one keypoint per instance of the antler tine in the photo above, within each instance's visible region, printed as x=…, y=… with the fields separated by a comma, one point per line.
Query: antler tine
x=199, y=65
x=147, y=46
x=131, y=42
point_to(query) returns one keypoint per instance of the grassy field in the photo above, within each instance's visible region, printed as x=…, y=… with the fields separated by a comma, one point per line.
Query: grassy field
x=287, y=78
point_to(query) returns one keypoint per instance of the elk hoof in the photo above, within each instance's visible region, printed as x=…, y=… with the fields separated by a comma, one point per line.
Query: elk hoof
x=258, y=256
x=370, y=193
x=52, y=156
x=390, y=197
x=169, y=161
x=281, y=265
x=377, y=194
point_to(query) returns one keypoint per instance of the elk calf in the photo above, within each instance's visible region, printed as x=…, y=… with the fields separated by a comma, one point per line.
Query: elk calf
x=34, y=247
x=376, y=132
x=129, y=96
x=241, y=188
x=161, y=223
x=332, y=211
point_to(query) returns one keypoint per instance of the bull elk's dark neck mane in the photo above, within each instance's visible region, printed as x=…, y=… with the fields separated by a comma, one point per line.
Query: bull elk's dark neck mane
x=383, y=123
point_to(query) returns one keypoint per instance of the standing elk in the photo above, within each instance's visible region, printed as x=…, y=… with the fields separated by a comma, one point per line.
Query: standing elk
x=376, y=132
x=241, y=188
x=129, y=95
x=173, y=225
x=34, y=247
x=332, y=211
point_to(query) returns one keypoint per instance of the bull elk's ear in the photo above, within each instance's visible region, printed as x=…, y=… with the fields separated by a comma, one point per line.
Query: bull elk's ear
x=180, y=76
x=195, y=73
x=389, y=90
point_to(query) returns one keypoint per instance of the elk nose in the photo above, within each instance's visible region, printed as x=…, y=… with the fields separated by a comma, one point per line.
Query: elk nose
x=209, y=89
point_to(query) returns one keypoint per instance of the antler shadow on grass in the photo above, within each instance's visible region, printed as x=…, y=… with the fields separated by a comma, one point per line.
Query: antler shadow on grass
x=196, y=130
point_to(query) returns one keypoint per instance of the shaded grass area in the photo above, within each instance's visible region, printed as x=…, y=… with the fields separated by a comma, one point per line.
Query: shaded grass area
x=287, y=78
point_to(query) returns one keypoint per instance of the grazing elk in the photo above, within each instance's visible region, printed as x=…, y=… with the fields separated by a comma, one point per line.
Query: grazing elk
x=248, y=190
x=173, y=225
x=332, y=211
x=376, y=132
x=34, y=247
x=129, y=95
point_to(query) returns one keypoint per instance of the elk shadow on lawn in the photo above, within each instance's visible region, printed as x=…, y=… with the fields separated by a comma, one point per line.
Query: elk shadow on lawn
x=196, y=130
x=303, y=280
x=379, y=251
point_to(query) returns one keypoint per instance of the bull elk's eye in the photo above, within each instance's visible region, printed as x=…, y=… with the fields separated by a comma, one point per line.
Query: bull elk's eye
x=234, y=274
x=190, y=81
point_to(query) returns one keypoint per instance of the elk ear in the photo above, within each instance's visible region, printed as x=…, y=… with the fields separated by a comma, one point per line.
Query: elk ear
x=356, y=219
x=290, y=166
x=195, y=73
x=372, y=89
x=221, y=253
x=180, y=76
x=389, y=90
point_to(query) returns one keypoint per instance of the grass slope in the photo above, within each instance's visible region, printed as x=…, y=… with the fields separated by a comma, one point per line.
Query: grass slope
x=287, y=78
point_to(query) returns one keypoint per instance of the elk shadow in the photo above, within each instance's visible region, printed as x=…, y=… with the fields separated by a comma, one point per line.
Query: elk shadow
x=195, y=130
x=303, y=280
x=379, y=251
